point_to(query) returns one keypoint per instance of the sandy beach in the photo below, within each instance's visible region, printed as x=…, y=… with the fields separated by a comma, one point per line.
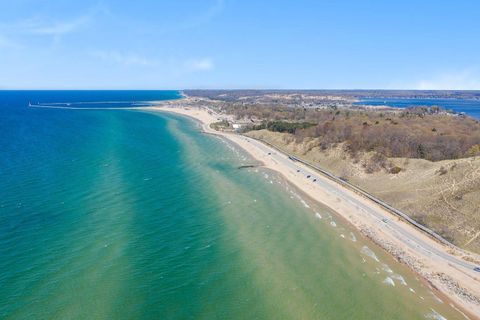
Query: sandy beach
x=443, y=268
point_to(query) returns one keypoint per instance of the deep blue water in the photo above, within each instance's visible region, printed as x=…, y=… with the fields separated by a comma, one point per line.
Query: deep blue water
x=469, y=107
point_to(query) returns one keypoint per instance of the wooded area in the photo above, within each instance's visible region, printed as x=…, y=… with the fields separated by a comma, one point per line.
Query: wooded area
x=421, y=132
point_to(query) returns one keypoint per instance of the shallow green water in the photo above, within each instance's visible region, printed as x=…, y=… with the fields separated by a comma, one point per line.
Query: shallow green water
x=134, y=215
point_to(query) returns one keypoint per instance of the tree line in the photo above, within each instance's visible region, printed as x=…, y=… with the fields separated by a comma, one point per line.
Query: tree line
x=423, y=132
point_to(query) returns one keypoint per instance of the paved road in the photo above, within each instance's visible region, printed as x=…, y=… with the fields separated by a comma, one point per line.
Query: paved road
x=395, y=228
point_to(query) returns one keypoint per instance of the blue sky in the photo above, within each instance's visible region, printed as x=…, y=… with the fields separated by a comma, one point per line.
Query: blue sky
x=147, y=44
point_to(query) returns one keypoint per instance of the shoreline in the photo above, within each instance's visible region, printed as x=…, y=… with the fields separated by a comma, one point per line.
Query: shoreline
x=460, y=286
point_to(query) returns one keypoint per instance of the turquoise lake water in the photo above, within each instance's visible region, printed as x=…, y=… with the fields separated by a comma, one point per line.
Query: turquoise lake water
x=126, y=214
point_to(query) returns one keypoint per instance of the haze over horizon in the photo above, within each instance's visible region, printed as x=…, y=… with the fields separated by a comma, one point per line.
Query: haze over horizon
x=101, y=44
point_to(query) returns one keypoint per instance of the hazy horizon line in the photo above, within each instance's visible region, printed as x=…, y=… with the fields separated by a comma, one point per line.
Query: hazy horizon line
x=232, y=89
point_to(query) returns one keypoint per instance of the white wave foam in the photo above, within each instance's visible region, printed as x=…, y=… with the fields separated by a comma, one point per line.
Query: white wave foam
x=304, y=203
x=352, y=237
x=369, y=253
x=333, y=224
x=434, y=315
x=318, y=215
x=389, y=281
x=398, y=277
x=386, y=268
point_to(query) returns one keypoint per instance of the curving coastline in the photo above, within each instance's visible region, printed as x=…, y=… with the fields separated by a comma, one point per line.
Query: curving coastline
x=409, y=246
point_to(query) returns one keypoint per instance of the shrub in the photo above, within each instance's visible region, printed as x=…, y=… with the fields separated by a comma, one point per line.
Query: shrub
x=395, y=170
x=220, y=125
x=474, y=151
x=283, y=126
